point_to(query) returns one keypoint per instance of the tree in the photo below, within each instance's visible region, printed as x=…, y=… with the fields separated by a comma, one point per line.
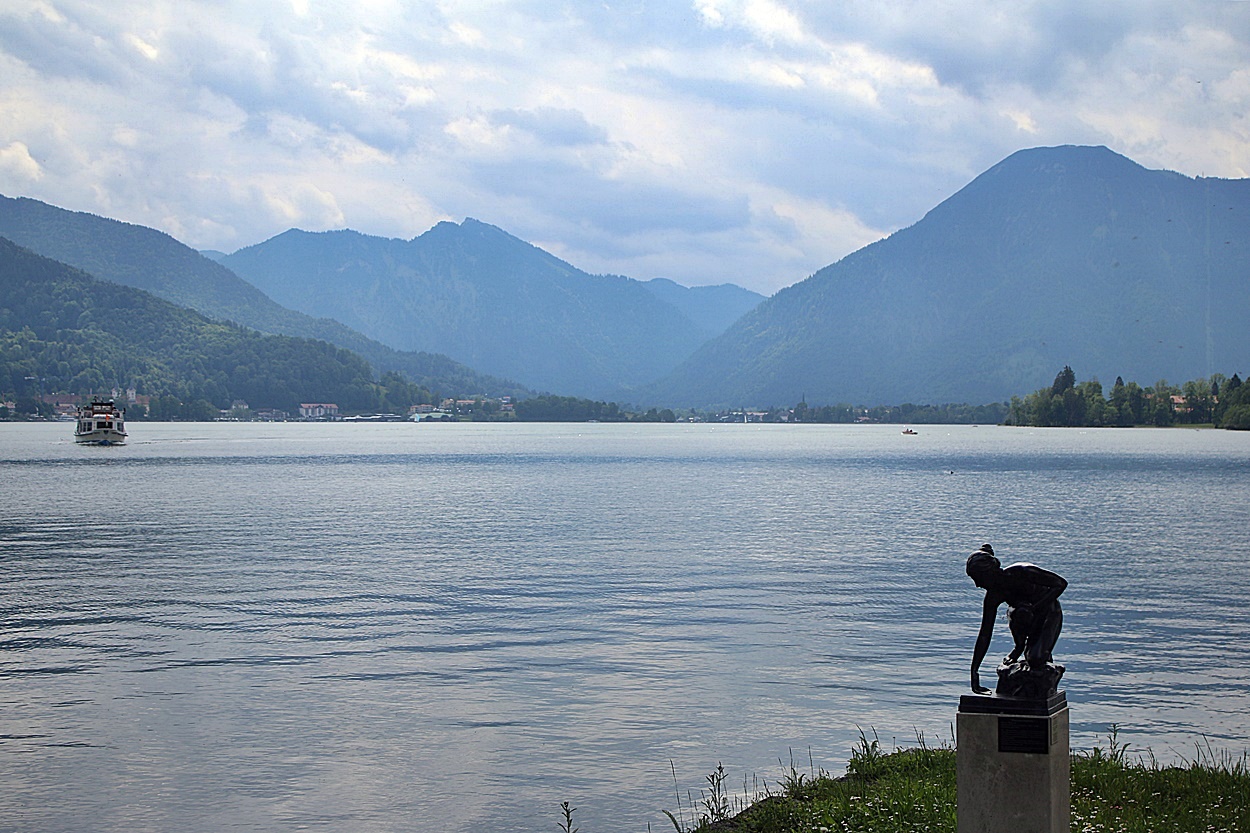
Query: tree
x=1161, y=412
x=1227, y=397
x=1064, y=381
x=1097, y=411
x=1071, y=408
x=1136, y=404
x=1234, y=406
x=1199, y=402
x=1237, y=418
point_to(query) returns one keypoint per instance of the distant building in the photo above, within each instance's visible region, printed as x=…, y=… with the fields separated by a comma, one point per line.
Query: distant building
x=271, y=415
x=63, y=404
x=318, y=410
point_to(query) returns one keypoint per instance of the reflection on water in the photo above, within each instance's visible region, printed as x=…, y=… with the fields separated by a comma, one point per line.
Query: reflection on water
x=401, y=627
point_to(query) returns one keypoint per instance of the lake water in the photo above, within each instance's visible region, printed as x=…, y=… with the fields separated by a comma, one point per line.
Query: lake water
x=403, y=627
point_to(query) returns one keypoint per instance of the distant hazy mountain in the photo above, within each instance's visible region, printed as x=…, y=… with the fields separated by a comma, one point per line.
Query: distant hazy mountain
x=1055, y=256
x=492, y=301
x=147, y=259
x=711, y=308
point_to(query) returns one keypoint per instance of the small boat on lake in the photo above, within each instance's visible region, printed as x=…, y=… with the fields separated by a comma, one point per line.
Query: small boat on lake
x=100, y=423
x=908, y=431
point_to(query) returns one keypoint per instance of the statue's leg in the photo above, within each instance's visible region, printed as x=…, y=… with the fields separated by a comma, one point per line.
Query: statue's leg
x=1045, y=635
x=1019, y=635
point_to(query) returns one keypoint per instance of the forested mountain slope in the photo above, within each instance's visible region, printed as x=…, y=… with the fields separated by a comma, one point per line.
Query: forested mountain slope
x=1055, y=256
x=71, y=332
x=151, y=260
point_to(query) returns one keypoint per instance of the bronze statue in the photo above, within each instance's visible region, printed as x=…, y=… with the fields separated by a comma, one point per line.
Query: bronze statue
x=1035, y=619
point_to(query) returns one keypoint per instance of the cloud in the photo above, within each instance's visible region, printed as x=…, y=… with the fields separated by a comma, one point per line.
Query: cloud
x=752, y=140
x=555, y=126
x=56, y=46
x=18, y=165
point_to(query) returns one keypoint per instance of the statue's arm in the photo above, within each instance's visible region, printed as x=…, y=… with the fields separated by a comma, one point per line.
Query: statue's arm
x=989, y=612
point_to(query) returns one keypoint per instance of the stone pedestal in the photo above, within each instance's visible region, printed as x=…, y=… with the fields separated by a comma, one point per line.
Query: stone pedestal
x=1013, y=764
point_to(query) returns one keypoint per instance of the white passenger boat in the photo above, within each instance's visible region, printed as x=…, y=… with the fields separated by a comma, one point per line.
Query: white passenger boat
x=101, y=423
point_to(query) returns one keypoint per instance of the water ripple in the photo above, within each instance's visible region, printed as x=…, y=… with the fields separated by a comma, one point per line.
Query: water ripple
x=280, y=627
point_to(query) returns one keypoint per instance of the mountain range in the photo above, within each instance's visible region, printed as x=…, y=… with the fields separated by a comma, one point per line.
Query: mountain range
x=1055, y=256
x=150, y=260
x=495, y=303
x=457, y=297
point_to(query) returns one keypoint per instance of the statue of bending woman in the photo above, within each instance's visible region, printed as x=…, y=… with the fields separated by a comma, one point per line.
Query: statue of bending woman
x=1033, y=612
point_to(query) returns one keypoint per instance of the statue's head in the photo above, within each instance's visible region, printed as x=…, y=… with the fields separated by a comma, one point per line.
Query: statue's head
x=982, y=561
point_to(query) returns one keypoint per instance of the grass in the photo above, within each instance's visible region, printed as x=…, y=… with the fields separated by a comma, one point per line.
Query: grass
x=914, y=790
x=1208, y=794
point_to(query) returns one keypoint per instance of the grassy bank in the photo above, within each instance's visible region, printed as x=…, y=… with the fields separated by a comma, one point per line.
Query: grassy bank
x=914, y=790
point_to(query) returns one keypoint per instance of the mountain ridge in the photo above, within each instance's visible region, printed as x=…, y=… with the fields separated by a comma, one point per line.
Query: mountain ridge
x=148, y=259
x=492, y=301
x=1054, y=256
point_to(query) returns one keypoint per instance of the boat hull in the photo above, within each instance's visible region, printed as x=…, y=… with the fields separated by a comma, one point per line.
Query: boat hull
x=106, y=437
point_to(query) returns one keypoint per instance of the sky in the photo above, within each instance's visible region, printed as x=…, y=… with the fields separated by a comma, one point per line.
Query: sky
x=705, y=141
